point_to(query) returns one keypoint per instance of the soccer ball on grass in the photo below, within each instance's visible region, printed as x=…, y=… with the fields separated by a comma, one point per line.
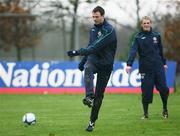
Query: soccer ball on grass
x=29, y=119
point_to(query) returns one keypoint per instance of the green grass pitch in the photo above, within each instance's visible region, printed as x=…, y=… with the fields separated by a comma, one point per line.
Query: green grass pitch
x=65, y=115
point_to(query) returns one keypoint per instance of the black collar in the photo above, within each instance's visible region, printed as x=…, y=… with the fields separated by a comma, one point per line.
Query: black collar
x=100, y=25
x=146, y=32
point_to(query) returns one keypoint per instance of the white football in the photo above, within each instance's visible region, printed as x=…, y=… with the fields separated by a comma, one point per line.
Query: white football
x=29, y=119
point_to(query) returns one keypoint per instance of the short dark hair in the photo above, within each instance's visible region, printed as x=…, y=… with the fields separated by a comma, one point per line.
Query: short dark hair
x=99, y=9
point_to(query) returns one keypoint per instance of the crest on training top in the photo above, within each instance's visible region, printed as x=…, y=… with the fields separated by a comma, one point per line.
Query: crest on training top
x=99, y=34
x=155, y=40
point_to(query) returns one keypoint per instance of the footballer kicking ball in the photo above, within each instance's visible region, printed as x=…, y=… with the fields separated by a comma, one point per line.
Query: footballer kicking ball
x=29, y=119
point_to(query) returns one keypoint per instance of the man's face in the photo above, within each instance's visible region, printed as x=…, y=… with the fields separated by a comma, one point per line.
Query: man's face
x=97, y=18
x=146, y=25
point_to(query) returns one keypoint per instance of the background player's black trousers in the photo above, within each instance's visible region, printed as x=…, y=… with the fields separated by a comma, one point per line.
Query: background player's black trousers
x=157, y=79
x=102, y=80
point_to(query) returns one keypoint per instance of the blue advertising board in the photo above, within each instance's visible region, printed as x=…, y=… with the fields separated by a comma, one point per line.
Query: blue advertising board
x=64, y=77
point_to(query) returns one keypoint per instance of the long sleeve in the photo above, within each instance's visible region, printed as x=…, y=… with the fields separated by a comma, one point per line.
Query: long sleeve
x=161, y=51
x=100, y=43
x=83, y=60
x=132, y=53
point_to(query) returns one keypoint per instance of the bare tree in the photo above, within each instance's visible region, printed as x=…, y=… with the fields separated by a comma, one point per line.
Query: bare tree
x=172, y=34
x=67, y=13
x=15, y=27
x=133, y=14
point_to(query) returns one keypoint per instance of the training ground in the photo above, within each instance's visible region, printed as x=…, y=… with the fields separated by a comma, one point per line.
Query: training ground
x=65, y=115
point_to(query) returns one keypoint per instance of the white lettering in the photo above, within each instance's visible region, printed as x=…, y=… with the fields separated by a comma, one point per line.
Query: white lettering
x=120, y=77
x=7, y=76
x=135, y=78
x=44, y=75
x=110, y=81
x=20, y=78
x=56, y=78
x=34, y=76
x=73, y=78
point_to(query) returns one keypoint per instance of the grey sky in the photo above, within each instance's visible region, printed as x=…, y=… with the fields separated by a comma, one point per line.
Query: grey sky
x=127, y=14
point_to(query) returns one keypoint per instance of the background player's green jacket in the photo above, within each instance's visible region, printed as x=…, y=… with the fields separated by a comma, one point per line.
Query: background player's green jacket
x=150, y=51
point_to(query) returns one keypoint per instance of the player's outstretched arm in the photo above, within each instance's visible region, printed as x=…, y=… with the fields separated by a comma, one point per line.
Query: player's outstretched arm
x=73, y=53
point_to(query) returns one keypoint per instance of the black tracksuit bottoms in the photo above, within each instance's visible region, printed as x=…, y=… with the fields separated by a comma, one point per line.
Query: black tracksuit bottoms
x=101, y=83
x=157, y=79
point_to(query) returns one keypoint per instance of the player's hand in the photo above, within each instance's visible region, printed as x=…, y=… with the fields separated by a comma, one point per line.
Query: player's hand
x=72, y=53
x=128, y=69
x=81, y=66
x=165, y=67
